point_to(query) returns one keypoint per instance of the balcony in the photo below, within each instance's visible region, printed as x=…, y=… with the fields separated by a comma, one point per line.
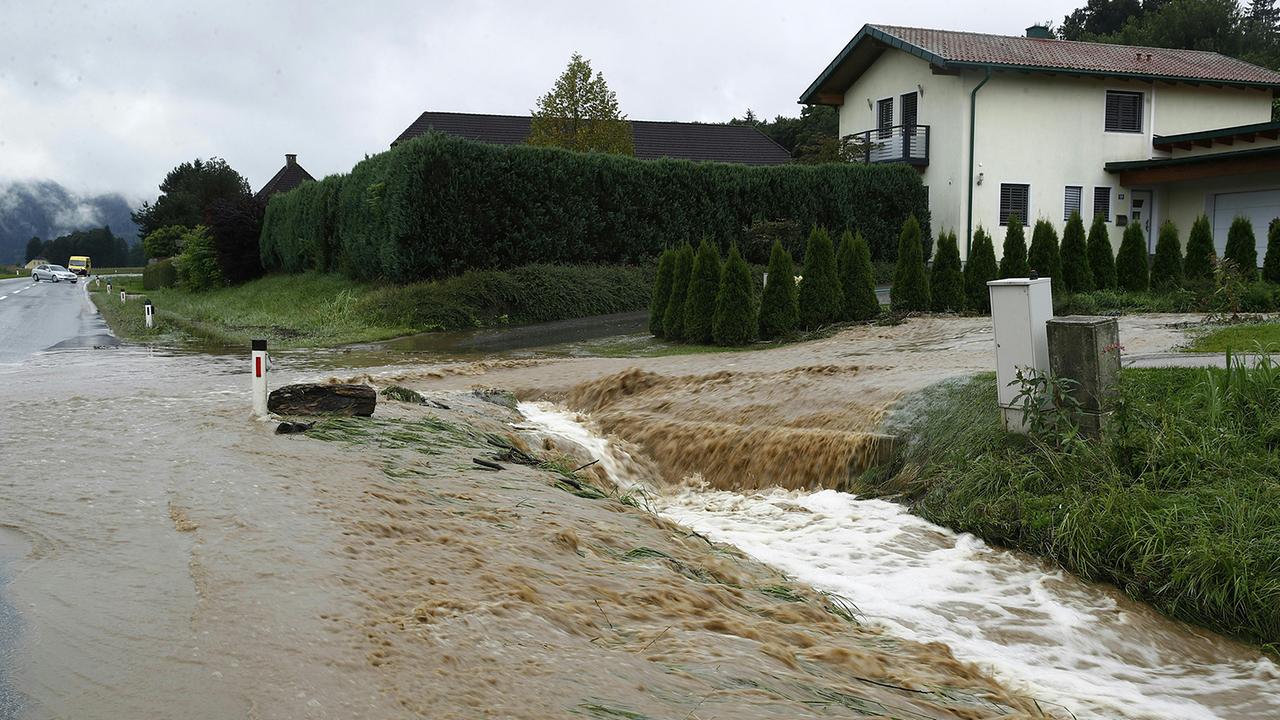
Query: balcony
x=896, y=144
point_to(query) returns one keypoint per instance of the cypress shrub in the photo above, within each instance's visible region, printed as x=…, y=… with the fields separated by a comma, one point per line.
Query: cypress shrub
x=735, y=318
x=700, y=304
x=1166, y=268
x=1197, y=268
x=1044, y=257
x=437, y=205
x=821, y=298
x=910, y=291
x=1271, y=264
x=1242, y=248
x=946, y=281
x=661, y=291
x=981, y=269
x=779, y=304
x=1131, y=262
x=857, y=278
x=1077, y=276
x=1013, y=259
x=673, y=315
x=1101, y=259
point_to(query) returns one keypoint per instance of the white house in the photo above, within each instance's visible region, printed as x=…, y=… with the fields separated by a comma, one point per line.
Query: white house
x=1039, y=127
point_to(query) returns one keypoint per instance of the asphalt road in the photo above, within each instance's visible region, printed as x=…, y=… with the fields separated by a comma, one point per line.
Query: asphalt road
x=46, y=316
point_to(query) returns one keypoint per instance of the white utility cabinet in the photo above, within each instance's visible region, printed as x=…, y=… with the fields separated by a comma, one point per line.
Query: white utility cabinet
x=1020, y=308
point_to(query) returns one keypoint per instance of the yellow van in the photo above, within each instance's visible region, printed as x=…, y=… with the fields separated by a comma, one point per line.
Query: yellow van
x=80, y=265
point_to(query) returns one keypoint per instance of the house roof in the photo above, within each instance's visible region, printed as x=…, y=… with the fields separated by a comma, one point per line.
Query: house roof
x=1226, y=136
x=287, y=178
x=949, y=50
x=653, y=139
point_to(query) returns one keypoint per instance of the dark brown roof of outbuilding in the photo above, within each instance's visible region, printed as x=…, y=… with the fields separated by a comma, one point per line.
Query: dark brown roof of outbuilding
x=653, y=139
x=289, y=177
x=950, y=49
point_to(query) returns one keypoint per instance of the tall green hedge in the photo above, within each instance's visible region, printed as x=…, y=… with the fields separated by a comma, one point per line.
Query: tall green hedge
x=946, y=279
x=700, y=304
x=1271, y=264
x=1197, y=266
x=1013, y=259
x=1102, y=260
x=1076, y=273
x=1132, y=272
x=857, y=278
x=1166, y=268
x=661, y=292
x=981, y=270
x=437, y=205
x=1242, y=248
x=910, y=291
x=821, y=297
x=779, y=303
x=1044, y=257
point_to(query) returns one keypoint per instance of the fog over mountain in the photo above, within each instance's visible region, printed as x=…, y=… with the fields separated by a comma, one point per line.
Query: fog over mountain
x=45, y=209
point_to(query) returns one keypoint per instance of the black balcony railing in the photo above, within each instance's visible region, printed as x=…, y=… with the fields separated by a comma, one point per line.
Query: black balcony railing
x=898, y=143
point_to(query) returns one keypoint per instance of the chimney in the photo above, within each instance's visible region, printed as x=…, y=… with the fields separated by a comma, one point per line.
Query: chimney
x=1040, y=32
x=290, y=159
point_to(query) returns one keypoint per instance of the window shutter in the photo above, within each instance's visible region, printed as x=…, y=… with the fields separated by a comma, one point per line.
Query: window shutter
x=1124, y=111
x=1071, y=201
x=1014, y=199
x=1102, y=203
x=884, y=116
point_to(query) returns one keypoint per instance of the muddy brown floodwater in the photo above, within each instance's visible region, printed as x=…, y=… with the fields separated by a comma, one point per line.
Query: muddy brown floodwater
x=164, y=555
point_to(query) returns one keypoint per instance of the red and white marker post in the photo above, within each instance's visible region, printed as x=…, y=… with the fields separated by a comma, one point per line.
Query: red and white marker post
x=259, y=368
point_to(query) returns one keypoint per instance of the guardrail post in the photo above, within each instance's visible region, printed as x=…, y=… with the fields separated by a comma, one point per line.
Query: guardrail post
x=258, y=367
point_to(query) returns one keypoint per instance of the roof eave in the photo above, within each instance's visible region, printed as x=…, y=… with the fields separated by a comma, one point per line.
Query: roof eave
x=875, y=33
x=1258, y=84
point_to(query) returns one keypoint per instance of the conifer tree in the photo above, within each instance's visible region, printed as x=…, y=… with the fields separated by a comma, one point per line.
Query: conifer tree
x=1076, y=273
x=821, y=298
x=1271, y=264
x=857, y=278
x=1198, y=266
x=1102, y=260
x=673, y=316
x=1131, y=262
x=704, y=283
x=1242, y=248
x=1166, y=268
x=1013, y=259
x=1044, y=257
x=910, y=291
x=946, y=280
x=981, y=269
x=779, y=305
x=734, y=322
x=661, y=291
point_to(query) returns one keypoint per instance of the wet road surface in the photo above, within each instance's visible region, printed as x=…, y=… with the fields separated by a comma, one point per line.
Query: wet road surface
x=41, y=316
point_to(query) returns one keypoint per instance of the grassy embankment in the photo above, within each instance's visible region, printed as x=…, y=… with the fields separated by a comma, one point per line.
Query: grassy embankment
x=315, y=310
x=1239, y=338
x=1179, y=505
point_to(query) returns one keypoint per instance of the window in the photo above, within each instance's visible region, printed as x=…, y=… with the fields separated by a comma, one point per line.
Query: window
x=884, y=116
x=1071, y=201
x=1124, y=111
x=1014, y=201
x=1102, y=203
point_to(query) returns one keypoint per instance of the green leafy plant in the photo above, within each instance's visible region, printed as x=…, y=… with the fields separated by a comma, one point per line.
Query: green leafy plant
x=700, y=304
x=779, y=304
x=981, y=270
x=1166, y=269
x=1242, y=248
x=1077, y=275
x=1013, y=259
x=662, y=292
x=910, y=291
x=821, y=298
x=1131, y=262
x=946, y=281
x=735, y=313
x=1102, y=262
x=581, y=113
x=1199, y=265
x=857, y=278
x=197, y=266
x=1050, y=411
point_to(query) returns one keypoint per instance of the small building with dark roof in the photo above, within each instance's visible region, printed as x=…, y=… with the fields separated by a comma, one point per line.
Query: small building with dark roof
x=289, y=177
x=708, y=142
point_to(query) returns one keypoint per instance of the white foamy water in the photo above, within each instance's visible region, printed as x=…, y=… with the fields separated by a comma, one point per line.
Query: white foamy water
x=1040, y=630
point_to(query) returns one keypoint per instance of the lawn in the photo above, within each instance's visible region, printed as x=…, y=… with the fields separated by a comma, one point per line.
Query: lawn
x=1239, y=338
x=1179, y=505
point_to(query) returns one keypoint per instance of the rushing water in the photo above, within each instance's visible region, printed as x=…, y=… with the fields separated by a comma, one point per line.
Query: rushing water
x=1084, y=646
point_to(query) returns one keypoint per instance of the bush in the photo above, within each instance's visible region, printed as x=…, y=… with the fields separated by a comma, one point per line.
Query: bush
x=197, y=266
x=1044, y=257
x=735, y=317
x=1242, y=248
x=235, y=226
x=661, y=292
x=165, y=242
x=910, y=291
x=1271, y=264
x=1077, y=276
x=946, y=281
x=779, y=305
x=857, y=278
x=1102, y=261
x=1013, y=258
x=700, y=303
x=159, y=274
x=1166, y=269
x=821, y=298
x=1132, y=273
x=1198, y=266
x=437, y=205
x=981, y=270
x=673, y=316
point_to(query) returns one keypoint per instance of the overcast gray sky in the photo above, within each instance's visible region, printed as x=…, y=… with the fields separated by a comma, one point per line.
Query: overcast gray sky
x=106, y=97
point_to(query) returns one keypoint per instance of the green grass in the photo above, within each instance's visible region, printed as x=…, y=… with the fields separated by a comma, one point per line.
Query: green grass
x=1239, y=338
x=1179, y=505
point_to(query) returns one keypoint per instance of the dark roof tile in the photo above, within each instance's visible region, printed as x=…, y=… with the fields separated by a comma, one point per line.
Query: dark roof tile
x=289, y=177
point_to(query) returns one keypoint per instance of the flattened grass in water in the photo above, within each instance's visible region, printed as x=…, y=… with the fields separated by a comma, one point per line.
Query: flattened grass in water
x=1179, y=505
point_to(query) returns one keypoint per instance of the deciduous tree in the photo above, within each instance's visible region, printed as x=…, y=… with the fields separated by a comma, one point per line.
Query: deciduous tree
x=581, y=113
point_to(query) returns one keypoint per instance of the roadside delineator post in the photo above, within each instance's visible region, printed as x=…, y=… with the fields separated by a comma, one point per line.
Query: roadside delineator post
x=1020, y=310
x=149, y=309
x=122, y=297
x=259, y=369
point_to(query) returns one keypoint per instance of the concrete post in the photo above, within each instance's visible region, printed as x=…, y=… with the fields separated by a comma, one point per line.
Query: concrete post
x=1087, y=350
x=149, y=311
x=259, y=370
x=1020, y=307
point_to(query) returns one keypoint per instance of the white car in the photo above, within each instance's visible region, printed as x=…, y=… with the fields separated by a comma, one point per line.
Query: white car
x=53, y=273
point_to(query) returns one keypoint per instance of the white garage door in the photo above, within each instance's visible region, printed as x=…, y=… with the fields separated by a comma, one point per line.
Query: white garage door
x=1260, y=207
